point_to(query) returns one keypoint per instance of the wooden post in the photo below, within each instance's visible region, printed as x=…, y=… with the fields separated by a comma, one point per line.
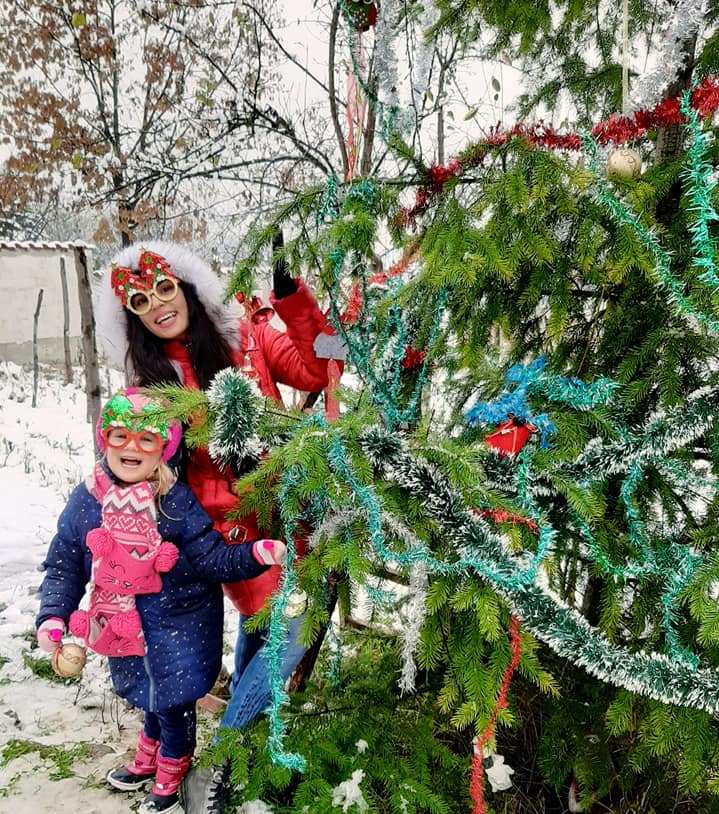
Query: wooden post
x=65, y=322
x=89, y=346
x=35, y=360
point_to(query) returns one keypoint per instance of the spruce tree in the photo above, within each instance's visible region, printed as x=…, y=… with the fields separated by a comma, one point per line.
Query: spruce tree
x=531, y=289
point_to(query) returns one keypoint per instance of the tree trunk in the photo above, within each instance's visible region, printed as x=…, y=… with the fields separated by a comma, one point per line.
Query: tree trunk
x=440, y=136
x=304, y=669
x=369, y=132
x=89, y=346
x=35, y=360
x=670, y=140
x=65, y=323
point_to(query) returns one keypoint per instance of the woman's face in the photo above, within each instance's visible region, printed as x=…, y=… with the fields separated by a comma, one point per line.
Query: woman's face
x=167, y=320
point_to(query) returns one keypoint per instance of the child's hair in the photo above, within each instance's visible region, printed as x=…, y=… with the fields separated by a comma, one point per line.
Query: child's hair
x=164, y=477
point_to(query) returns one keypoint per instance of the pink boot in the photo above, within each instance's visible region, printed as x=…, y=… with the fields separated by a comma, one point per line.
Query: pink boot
x=164, y=796
x=142, y=768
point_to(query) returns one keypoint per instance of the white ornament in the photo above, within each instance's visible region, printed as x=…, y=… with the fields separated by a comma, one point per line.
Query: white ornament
x=348, y=793
x=624, y=163
x=361, y=746
x=499, y=774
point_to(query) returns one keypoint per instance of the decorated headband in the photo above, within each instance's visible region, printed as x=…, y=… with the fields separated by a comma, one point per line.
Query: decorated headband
x=135, y=412
x=152, y=268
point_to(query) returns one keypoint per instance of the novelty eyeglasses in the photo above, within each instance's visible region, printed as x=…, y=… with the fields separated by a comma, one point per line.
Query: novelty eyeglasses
x=164, y=290
x=145, y=441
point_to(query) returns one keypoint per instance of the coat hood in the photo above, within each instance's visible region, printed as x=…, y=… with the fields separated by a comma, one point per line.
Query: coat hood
x=186, y=266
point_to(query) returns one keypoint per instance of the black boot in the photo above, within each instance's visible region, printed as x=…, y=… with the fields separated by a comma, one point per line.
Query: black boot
x=206, y=790
x=125, y=780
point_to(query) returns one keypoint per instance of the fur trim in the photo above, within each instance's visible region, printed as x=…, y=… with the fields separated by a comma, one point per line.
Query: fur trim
x=186, y=266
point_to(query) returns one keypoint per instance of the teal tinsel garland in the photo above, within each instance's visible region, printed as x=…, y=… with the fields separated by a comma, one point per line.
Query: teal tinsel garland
x=478, y=550
x=562, y=628
x=623, y=216
x=700, y=184
x=277, y=633
x=329, y=207
x=383, y=379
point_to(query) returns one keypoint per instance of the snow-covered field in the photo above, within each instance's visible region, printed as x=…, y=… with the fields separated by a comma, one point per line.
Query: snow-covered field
x=44, y=452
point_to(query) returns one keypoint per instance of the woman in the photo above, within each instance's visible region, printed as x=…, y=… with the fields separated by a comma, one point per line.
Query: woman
x=160, y=314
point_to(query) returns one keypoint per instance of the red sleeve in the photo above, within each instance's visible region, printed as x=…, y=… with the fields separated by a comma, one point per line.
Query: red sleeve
x=291, y=356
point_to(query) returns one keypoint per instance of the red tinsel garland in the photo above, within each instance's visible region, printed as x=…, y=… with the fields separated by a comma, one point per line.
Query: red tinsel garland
x=354, y=303
x=503, y=516
x=617, y=129
x=476, y=785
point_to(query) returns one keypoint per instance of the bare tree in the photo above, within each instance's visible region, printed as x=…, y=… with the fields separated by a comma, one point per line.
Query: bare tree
x=123, y=100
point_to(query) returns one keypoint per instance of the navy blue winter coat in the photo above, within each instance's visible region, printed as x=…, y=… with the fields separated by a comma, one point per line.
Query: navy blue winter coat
x=182, y=624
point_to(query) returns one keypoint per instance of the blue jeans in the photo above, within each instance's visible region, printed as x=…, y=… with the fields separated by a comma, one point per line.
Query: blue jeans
x=251, y=680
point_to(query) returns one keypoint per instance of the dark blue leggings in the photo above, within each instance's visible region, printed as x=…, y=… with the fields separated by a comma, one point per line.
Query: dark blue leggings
x=175, y=728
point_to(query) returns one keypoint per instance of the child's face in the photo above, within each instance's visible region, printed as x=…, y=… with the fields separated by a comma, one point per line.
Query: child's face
x=133, y=457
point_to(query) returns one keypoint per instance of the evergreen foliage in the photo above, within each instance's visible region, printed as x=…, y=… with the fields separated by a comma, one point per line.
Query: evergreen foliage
x=602, y=538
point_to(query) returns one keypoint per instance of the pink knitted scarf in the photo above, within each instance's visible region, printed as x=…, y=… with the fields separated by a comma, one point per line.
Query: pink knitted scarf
x=128, y=558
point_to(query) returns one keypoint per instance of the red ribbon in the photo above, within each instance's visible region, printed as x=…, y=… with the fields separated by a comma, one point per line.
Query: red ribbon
x=476, y=785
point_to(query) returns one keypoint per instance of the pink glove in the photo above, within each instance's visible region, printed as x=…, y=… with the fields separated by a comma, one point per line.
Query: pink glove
x=269, y=552
x=50, y=633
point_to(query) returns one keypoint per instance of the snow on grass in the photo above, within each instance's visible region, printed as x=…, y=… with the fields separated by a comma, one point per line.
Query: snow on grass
x=44, y=453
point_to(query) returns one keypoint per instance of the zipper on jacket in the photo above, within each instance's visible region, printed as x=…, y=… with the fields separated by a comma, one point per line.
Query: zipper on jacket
x=151, y=693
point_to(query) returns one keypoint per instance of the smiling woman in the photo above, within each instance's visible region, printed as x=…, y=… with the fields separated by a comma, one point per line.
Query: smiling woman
x=167, y=317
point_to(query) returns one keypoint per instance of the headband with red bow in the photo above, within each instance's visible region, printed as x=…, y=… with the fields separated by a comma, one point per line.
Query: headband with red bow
x=151, y=268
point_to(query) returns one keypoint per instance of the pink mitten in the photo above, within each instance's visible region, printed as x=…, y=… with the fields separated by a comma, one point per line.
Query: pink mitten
x=50, y=633
x=269, y=552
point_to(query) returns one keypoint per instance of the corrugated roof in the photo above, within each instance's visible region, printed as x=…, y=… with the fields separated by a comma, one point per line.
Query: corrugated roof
x=31, y=245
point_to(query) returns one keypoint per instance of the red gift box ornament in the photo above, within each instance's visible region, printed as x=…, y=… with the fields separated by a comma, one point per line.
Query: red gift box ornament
x=510, y=437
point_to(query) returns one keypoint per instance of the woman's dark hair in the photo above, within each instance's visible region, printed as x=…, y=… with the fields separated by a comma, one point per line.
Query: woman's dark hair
x=146, y=358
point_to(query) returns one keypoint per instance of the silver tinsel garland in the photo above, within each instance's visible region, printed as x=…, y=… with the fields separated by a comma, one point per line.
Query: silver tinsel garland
x=415, y=610
x=650, y=89
x=561, y=627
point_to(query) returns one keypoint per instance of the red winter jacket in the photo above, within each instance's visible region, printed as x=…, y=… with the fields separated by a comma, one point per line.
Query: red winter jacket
x=271, y=357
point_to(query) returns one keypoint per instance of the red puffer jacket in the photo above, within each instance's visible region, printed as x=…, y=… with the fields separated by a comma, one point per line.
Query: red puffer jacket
x=271, y=357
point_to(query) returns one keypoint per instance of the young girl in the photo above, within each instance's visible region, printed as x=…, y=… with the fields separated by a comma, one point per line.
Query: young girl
x=154, y=565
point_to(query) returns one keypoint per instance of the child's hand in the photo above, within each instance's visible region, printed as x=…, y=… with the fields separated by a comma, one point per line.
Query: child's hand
x=269, y=552
x=50, y=633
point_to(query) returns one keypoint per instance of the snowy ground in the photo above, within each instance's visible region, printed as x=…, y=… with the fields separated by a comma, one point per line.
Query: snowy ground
x=44, y=453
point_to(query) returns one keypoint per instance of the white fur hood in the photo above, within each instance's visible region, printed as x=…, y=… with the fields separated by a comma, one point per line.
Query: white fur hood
x=186, y=266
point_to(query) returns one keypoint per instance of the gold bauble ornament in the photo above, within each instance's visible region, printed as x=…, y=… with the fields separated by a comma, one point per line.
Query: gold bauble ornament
x=624, y=163
x=69, y=660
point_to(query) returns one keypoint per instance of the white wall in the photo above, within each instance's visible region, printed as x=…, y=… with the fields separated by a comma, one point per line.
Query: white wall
x=22, y=274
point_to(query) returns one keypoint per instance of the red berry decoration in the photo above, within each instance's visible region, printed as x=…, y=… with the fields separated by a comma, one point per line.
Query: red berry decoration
x=412, y=358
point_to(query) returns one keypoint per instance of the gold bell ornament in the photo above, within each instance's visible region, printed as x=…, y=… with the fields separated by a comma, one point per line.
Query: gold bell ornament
x=69, y=660
x=624, y=163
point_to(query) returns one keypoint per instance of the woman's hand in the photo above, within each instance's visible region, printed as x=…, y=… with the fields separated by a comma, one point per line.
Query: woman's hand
x=269, y=552
x=50, y=633
x=282, y=283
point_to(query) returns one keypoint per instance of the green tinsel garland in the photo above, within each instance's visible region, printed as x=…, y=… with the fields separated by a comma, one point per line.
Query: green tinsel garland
x=236, y=403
